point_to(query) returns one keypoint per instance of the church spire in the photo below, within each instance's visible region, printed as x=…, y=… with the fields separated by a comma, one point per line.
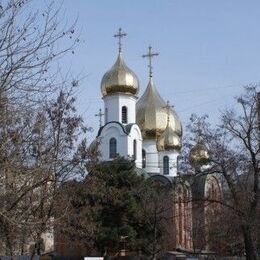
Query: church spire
x=199, y=130
x=120, y=35
x=168, y=109
x=150, y=55
x=120, y=78
x=199, y=153
x=100, y=115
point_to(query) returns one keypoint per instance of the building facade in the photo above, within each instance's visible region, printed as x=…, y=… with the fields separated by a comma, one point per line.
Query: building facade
x=149, y=131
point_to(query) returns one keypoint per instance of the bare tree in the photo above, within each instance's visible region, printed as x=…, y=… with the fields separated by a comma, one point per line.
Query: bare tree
x=38, y=153
x=30, y=43
x=234, y=156
x=41, y=142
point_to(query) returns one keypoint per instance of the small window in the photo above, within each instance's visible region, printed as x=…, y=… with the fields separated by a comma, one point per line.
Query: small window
x=143, y=158
x=178, y=163
x=112, y=148
x=180, y=216
x=165, y=165
x=124, y=115
x=106, y=115
x=134, y=149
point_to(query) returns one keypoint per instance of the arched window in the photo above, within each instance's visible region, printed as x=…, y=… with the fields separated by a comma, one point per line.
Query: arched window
x=165, y=165
x=134, y=149
x=180, y=220
x=124, y=115
x=112, y=148
x=143, y=158
x=212, y=191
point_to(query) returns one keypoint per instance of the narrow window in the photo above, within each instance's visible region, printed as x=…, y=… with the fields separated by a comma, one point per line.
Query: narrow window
x=124, y=115
x=178, y=164
x=134, y=149
x=106, y=115
x=143, y=158
x=112, y=148
x=180, y=221
x=165, y=165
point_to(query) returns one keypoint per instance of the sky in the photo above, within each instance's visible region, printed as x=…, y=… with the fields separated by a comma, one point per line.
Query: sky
x=208, y=50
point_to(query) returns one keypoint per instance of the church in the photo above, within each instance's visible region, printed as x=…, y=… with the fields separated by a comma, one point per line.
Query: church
x=149, y=131
x=145, y=129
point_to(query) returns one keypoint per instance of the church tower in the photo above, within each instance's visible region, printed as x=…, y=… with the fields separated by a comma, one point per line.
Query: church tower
x=161, y=129
x=119, y=87
x=120, y=136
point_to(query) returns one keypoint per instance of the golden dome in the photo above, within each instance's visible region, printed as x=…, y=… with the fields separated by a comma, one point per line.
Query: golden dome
x=151, y=116
x=119, y=79
x=199, y=154
x=168, y=140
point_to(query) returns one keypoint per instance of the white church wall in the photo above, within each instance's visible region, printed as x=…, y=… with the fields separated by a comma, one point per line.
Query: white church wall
x=116, y=131
x=173, y=157
x=125, y=143
x=113, y=105
x=135, y=134
x=152, y=160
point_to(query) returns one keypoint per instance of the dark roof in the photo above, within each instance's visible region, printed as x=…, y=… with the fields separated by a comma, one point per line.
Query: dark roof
x=129, y=127
x=126, y=128
x=197, y=183
x=166, y=180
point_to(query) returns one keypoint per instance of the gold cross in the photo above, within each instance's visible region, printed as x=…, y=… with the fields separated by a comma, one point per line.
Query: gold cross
x=199, y=125
x=168, y=109
x=100, y=114
x=120, y=35
x=150, y=55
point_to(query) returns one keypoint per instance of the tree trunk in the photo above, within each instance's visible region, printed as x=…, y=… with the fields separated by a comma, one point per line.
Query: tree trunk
x=250, y=248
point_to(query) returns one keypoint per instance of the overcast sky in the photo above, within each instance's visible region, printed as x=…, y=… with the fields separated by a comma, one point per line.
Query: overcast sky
x=208, y=49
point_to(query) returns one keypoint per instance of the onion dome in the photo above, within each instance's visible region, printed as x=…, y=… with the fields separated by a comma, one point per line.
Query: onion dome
x=151, y=115
x=169, y=140
x=199, y=154
x=119, y=79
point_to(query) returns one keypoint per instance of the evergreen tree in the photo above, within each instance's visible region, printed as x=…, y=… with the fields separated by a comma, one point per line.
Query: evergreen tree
x=116, y=208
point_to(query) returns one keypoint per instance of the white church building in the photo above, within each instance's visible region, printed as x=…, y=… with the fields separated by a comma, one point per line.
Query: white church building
x=146, y=129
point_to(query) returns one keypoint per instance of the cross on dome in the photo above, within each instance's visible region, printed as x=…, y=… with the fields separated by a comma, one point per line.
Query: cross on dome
x=150, y=55
x=120, y=35
x=100, y=115
x=199, y=128
x=199, y=124
x=168, y=109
